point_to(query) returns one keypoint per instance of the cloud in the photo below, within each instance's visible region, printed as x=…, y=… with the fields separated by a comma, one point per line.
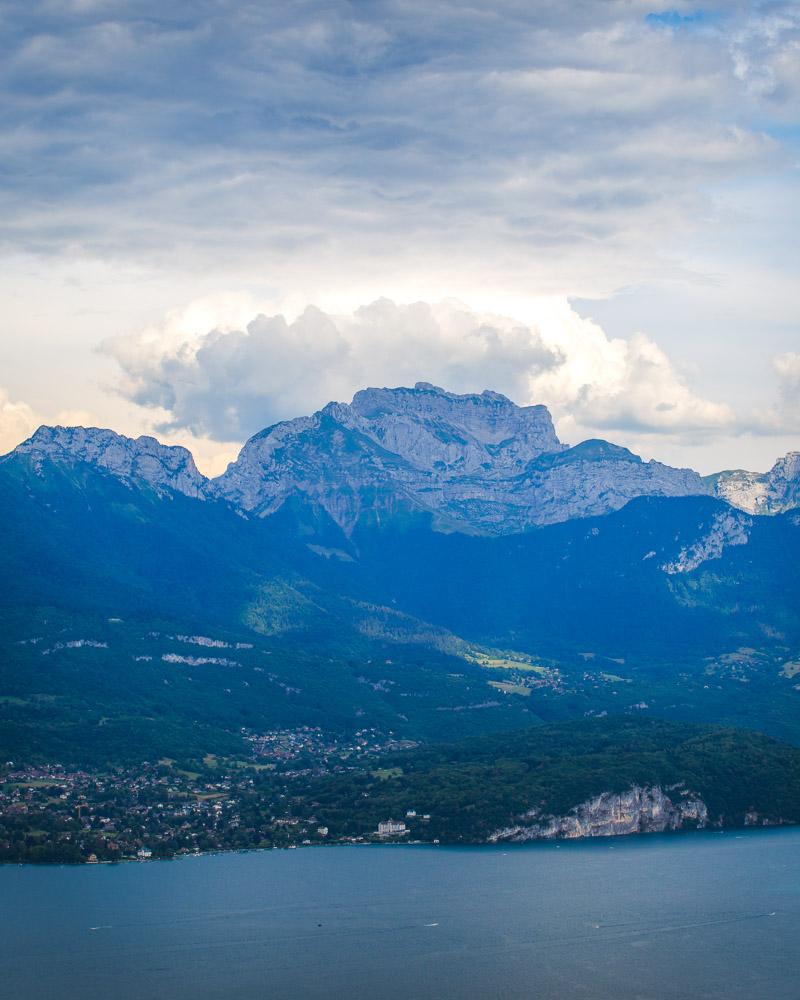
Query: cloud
x=17, y=422
x=618, y=384
x=765, y=47
x=328, y=152
x=229, y=383
x=781, y=416
x=548, y=143
x=787, y=367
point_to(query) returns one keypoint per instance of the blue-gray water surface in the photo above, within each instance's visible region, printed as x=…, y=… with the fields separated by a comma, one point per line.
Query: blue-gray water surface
x=705, y=915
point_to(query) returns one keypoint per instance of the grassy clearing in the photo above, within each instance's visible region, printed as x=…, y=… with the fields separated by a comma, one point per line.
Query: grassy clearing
x=506, y=663
x=500, y=659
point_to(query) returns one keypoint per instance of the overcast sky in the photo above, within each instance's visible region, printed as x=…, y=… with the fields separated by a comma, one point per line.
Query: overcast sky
x=218, y=214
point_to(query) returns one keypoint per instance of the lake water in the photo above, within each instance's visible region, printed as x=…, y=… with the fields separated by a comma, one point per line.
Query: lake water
x=705, y=915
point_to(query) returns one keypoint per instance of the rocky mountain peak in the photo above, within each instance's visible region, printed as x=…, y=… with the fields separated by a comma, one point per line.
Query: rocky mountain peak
x=142, y=460
x=437, y=430
x=761, y=493
x=475, y=461
x=788, y=467
x=486, y=412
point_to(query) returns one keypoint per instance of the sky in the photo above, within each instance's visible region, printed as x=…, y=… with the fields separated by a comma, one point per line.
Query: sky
x=217, y=214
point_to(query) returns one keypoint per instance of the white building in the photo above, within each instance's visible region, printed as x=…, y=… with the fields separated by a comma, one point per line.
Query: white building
x=391, y=828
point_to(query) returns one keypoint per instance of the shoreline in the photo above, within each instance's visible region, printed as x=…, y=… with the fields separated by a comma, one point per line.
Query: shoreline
x=481, y=846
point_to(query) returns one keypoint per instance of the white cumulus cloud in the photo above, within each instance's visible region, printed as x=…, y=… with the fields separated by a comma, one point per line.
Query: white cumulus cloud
x=620, y=384
x=17, y=422
x=230, y=381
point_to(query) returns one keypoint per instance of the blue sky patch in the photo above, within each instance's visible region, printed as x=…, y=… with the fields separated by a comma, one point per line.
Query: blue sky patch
x=674, y=19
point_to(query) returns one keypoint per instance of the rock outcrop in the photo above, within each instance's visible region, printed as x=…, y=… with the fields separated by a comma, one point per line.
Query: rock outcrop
x=729, y=527
x=770, y=492
x=476, y=462
x=639, y=810
x=142, y=461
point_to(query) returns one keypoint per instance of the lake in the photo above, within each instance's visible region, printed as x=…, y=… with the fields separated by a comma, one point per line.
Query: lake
x=708, y=915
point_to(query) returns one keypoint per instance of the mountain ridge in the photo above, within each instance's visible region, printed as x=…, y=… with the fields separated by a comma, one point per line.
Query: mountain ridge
x=143, y=460
x=771, y=492
x=672, y=604
x=475, y=462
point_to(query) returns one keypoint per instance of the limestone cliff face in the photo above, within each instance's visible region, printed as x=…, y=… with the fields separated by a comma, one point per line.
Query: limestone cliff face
x=477, y=462
x=639, y=810
x=143, y=460
x=761, y=493
x=452, y=435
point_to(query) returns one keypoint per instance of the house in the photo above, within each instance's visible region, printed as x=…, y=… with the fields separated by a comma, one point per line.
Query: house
x=144, y=853
x=391, y=828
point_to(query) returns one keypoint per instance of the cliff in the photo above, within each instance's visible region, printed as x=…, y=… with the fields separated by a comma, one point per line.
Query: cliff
x=476, y=462
x=639, y=810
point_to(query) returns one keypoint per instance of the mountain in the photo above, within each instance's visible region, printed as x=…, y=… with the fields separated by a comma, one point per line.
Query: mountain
x=143, y=460
x=761, y=493
x=679, y=606
x=477, y=463
x=539, y=626
x=324, y=550
x=326, y=517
